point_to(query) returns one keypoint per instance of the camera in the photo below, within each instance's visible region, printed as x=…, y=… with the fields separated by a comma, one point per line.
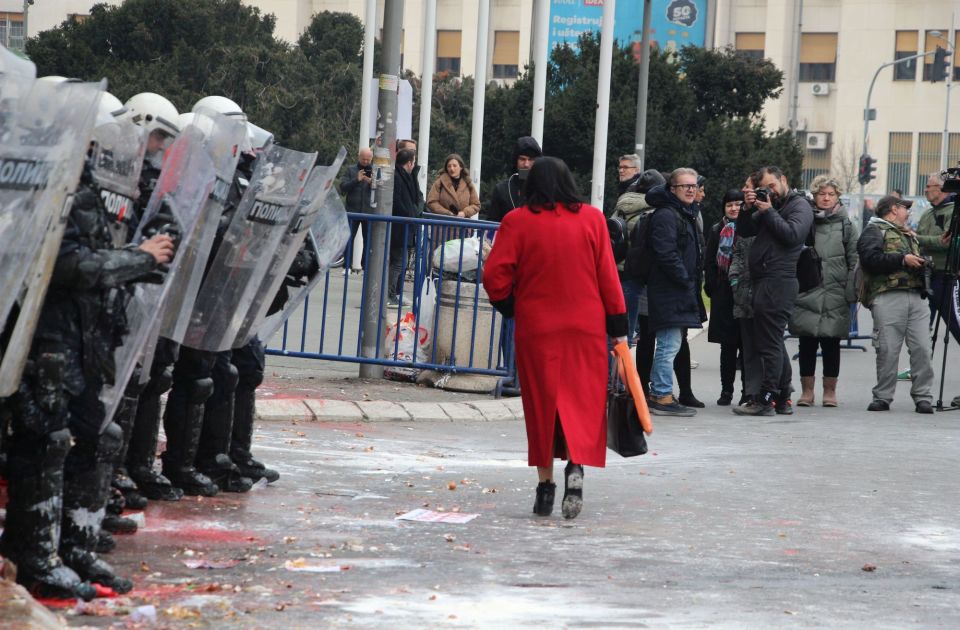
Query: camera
x=368, y=170
x=928, y=276
x=951, y=180
x=763, y=194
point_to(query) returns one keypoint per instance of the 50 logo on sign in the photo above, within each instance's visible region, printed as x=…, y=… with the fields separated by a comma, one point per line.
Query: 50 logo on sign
x=682, y=12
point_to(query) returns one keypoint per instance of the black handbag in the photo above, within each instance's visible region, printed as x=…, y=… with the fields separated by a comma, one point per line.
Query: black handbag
x=809, y=265
x=624, y=433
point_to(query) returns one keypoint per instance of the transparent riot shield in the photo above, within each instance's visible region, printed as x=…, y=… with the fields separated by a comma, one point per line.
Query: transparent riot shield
x=328, y=239
x=45, y=131
x=174, y=208
x=222, y=138
x=247, y=249
x=319, y=185
x=116, y=159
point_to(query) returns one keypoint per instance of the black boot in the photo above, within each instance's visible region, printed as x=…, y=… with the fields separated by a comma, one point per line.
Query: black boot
x=105, y=542
x=113, y=522
x=212, y=458
x=86, y=489
x=543, y=505
x=142, y=448
x=573, y=492
x=183, y=422
x=125, y=417
x=244, y=413
x=31, y=532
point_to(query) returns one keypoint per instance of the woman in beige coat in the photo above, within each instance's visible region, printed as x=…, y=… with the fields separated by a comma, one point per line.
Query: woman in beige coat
x=453, y=194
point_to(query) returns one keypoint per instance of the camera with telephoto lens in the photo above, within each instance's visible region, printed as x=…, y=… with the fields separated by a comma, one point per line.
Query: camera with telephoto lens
x=951, y=180
x=928, y=276
x=763, y=194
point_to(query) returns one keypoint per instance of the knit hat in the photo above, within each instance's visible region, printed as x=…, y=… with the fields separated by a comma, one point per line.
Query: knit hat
x=647, y=180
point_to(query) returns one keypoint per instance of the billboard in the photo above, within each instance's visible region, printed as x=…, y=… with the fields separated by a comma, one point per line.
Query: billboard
x=674, y=23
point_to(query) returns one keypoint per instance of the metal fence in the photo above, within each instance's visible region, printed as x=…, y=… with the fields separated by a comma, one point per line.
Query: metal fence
x=432, y=309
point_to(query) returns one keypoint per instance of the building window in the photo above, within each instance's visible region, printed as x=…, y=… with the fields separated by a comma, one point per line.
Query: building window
x=818, y=57
x=953, y=150
x=11, y=30
x=506, y=54
x=448, y=51
x=898, y=161
x=78, y=18
x=750, y=44
x=906, y=45
x=928, y=158
x=815, y=161
x=930, y=42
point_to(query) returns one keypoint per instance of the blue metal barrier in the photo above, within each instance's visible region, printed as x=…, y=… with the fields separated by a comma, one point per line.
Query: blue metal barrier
x=446, y=252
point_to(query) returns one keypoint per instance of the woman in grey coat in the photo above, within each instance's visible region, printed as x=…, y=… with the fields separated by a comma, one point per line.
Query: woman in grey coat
x=821, y=317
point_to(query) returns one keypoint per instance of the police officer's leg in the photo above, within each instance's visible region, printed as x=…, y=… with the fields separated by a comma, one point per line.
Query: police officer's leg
x=125, y=417
x=87, y=472
x=213, y=457
x=142, y=453
x=183, y=421
x=249, y=361
x=37, y=447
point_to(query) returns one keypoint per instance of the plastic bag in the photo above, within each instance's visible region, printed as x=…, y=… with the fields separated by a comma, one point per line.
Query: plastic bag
x=403, y=336
x=449, y=253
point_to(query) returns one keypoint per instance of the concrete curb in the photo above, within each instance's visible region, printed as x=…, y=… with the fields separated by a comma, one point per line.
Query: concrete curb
x=328, y=410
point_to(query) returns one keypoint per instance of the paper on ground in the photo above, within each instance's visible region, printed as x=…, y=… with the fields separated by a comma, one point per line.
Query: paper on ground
x=429, y=516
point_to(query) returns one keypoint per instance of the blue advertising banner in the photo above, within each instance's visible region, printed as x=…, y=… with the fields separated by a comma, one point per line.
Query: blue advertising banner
x=674, y=24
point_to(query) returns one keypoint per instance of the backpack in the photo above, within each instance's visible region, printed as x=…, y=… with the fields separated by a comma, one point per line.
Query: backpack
x=639, y=257
x=619, y=237
x=809, y=264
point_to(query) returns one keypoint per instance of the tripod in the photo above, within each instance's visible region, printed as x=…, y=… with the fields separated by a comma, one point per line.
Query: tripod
x=949, y=308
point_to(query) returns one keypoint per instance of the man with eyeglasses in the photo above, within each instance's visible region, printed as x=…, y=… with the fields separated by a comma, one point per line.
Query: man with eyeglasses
x=934, y=242
x=782, y=219
x=629, y=173
x=893, y=289
x=674, y=303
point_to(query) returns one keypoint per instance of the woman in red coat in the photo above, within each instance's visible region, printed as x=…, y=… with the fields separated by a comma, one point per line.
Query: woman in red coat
x=552, y=269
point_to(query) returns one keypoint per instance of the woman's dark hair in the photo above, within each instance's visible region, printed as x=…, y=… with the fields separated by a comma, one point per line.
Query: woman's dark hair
x=404, y=156
x=550, y=183
x=464, y=175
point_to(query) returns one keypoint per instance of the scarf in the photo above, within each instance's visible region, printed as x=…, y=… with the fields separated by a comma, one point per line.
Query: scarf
x=725, y=249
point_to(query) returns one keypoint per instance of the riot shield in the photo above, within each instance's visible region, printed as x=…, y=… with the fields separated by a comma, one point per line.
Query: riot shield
x=174, y=208
x=328, y=238
x=222, y=138
x=116, y=159
x=315, y=193
x=247, y=249
x=46, y=128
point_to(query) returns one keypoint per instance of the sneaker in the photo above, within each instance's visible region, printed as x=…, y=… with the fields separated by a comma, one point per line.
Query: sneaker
x=924, y=406
x=904, y=376
x=725, y=399
x=878, y=405
x=955, y=402
x=783, y=407
x=668, y=406
x=689, y=400
x=754, y=408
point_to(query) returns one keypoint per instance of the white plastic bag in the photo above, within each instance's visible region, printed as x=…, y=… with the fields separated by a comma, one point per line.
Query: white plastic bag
x=405, y=335
x=450, y=252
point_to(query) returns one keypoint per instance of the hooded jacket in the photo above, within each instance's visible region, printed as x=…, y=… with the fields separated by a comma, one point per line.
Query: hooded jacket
x=673, y=289
x=506, y=195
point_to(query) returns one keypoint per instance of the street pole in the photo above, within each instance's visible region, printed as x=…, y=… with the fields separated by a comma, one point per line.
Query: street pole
x=603, y=104
x=479, y=90
x=541, y=38
x=369, y=34
x=794, y=123
x=426, y=89
x=383, y=166
x=945, y=140
x=26, y=10
x=640, y=145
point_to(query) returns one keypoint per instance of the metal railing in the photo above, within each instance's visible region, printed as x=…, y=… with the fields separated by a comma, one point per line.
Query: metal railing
x=430, y=262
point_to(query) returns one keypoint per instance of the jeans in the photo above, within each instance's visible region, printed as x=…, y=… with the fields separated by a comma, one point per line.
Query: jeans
x=632, y=292
x=661, y=376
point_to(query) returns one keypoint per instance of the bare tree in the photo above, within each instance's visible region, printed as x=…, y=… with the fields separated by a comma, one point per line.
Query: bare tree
x=846, y=155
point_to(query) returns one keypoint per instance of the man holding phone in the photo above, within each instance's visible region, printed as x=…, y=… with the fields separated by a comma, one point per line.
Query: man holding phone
x=355, y=185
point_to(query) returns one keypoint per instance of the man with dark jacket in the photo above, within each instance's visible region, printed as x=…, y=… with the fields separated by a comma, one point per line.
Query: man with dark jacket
x=407, y=202
x=674, y=285
x=782, y=222
x=506, y=195
x=355, y=186
x=893, y=291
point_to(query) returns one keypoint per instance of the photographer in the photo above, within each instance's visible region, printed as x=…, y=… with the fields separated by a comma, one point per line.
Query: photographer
x=782, y=220
x=893, y=289
x=932, y=236
x=355, y=186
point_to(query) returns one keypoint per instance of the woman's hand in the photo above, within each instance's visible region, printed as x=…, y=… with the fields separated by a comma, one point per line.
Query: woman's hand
x=617, y=340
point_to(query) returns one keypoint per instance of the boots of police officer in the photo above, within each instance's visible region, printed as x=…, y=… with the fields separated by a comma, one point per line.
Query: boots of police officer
x=31, y=533
x=249, y=361
x=86, y=487
x=125, y=417
x=183, y=422
x=212, y=452
x=142, y=448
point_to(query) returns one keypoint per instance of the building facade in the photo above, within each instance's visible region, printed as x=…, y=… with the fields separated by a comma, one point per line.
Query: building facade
x=828, y=68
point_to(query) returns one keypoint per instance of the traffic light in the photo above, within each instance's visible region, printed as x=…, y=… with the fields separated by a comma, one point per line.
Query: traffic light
x=867, y=170
x=940, y=70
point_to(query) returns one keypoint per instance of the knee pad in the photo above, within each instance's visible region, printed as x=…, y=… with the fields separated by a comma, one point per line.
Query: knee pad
x=108, y=446
x=200, y=390
x=160, y=382
x=226, y=378
x=58, y=443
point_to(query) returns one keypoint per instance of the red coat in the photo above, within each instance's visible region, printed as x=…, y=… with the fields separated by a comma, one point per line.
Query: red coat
x=559, y=267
